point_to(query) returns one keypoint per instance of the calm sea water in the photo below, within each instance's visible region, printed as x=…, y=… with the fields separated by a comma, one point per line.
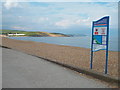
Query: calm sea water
x=84, y=41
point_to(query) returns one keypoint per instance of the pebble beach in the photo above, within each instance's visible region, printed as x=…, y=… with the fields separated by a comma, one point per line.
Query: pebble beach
x=74, y=56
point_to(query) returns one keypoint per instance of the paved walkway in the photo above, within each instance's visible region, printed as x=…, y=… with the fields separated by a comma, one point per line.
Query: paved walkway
x=25, y=71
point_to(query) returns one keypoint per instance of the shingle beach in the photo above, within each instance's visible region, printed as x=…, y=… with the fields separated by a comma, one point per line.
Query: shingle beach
x=74, y=56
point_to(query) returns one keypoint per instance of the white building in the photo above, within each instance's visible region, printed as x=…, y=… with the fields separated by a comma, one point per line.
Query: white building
x=15, y=34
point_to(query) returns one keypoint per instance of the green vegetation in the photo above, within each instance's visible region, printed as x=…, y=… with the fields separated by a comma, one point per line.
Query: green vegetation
x=34, y=34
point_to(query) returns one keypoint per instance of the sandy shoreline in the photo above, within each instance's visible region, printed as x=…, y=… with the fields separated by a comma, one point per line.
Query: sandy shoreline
x=75, y=56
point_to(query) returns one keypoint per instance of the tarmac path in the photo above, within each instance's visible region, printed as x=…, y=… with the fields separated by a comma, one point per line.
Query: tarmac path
x=20, y=70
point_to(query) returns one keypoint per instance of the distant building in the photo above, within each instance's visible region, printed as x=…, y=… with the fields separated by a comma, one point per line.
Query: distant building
x=16, y=34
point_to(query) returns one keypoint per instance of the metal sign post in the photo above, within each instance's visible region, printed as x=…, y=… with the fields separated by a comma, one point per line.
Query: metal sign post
x=100, y=36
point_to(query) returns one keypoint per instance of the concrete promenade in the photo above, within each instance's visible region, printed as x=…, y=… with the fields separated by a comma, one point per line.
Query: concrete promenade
x=25, y=71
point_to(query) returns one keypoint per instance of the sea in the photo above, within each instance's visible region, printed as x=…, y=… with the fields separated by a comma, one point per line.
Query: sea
x=78, y=41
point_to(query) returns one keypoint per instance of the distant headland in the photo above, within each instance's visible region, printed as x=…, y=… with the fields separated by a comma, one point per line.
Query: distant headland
x=20, y=33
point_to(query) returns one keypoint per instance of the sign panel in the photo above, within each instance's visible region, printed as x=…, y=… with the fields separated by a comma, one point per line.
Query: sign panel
x=100, y=30
x=100, y=33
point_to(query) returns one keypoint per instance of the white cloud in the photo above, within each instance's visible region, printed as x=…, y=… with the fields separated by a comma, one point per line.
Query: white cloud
x=64, y=23
x=43, y=19
x=19, y=16
x=11, y=3
x=19, y=28
x=73, y=22
x=86, y=22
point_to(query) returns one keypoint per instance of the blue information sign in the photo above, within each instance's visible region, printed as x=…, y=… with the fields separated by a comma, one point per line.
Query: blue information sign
x=100, y=33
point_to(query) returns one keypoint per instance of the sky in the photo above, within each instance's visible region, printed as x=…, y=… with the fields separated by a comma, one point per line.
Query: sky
x=60, y=17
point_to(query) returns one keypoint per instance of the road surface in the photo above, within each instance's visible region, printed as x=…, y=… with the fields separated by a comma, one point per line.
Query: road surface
x=21, y=70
